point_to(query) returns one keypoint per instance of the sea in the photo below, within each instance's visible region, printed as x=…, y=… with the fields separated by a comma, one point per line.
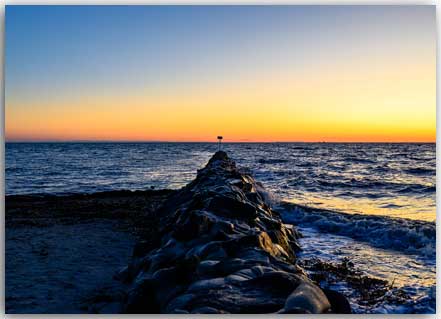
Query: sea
x=374, y=203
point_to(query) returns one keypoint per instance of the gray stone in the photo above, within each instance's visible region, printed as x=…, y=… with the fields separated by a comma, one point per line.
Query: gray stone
x=308, y=297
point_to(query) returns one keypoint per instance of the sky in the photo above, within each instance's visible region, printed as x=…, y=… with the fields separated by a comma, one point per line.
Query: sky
x=249, y=73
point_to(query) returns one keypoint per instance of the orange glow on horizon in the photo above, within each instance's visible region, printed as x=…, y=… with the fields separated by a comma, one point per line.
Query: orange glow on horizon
x=375, y=109
x=252, y=73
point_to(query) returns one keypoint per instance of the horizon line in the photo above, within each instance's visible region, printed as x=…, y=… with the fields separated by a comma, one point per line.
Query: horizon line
x=215, y=142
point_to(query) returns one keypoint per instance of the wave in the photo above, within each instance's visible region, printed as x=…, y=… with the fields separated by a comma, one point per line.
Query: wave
x=420, y=171
x=272, y=161
x=404, y=235
x=372, y=184
x=13, y=169
x=359, y=160
x=417, y=188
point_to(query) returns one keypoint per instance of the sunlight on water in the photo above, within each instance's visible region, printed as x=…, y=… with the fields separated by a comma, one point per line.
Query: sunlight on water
x=380, y=179
x=402, y=206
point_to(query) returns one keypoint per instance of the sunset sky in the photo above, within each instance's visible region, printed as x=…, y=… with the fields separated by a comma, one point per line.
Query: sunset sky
x=189, y=73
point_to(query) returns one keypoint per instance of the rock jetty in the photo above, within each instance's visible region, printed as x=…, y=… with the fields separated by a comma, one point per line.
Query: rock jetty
x=222, y=249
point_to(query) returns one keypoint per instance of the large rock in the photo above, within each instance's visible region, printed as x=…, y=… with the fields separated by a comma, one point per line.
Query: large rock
x=221, y=249
x=307, y=297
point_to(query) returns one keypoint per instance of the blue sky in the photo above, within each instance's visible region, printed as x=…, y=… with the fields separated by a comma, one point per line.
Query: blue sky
x=57, y=54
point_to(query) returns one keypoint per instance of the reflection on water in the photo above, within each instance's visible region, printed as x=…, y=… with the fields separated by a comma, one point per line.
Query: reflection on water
x=412, y=207
x=383, y=179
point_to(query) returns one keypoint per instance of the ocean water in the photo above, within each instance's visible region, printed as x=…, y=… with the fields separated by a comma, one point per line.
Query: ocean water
x=413, y=274
x=376, y=179
x=372, y=203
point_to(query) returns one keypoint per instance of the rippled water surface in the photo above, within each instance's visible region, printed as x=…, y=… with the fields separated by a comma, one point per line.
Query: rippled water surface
x=385, y=179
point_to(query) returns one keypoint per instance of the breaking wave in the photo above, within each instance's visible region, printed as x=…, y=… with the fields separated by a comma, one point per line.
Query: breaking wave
x=404, y=235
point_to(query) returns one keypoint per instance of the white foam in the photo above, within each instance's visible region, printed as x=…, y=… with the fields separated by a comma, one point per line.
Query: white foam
x=404, y=235
x=413, y=274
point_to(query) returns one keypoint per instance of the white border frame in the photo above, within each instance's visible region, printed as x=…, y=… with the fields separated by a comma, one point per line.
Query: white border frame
x=195, y=2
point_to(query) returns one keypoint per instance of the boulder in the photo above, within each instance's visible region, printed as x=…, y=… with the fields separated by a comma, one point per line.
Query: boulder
x=308, y=297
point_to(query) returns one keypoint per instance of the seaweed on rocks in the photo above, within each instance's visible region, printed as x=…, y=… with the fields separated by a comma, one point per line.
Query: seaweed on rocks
x=366, y=290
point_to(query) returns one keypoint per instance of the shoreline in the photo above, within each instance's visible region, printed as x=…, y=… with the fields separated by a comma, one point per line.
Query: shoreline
x=133, y=205
x=116, y=220
x=15, y=199
x=397, y=234
x=123, y=204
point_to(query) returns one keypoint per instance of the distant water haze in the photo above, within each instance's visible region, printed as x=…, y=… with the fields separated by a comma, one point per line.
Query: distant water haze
x=397, y=180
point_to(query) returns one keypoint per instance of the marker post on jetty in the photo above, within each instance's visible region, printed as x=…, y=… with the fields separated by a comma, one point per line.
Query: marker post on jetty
x=220, y=139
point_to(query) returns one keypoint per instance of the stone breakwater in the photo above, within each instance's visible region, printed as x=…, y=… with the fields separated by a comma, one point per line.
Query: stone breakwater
x=221, y=249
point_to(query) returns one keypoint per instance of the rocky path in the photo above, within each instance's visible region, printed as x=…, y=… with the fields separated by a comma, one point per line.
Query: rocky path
x=221, y=249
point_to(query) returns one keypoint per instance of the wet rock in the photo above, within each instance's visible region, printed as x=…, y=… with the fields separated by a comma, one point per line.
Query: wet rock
x=192, y=225
x=122, y=275
x=141, y=248
x=208, y=310
x=308, y=297
x=281, y=282
x=221, y=249
x=339, y=303
x=232, y=208
x=142, y=298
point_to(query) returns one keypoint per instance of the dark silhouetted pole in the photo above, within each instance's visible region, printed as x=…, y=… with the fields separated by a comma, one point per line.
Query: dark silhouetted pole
x=220, y=139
